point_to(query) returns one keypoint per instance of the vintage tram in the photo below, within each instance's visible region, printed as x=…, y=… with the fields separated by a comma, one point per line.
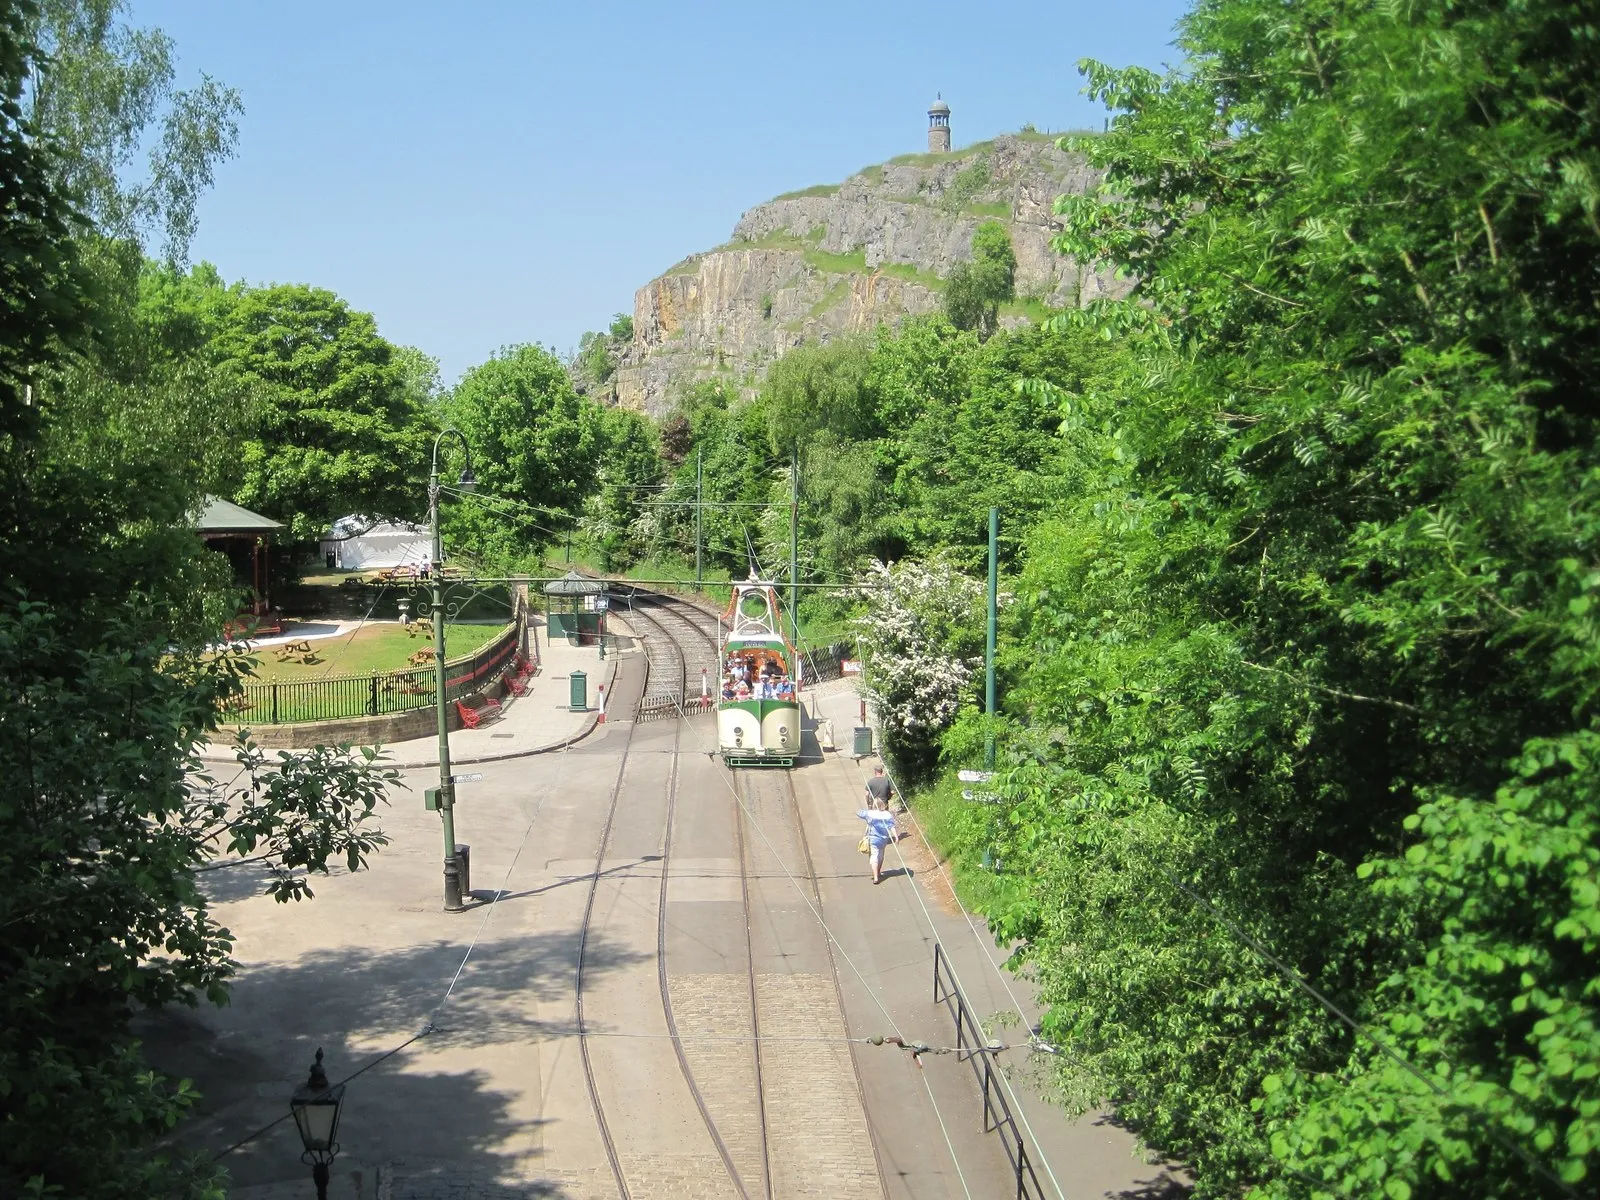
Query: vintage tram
x=758, y=714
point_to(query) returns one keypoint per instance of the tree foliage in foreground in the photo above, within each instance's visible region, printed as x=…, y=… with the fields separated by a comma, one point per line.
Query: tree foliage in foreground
x=1308, y=662
x=114, y=423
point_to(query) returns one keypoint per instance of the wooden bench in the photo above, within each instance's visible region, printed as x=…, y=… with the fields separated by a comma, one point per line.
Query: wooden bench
x=474, y=709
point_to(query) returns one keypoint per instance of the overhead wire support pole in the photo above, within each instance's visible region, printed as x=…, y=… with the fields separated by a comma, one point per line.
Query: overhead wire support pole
x=989, y=643
x=447, y=790
x=699, y=508
x=794, y=544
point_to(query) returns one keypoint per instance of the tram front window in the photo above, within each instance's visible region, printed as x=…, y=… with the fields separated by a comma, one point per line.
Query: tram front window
x=758, y=676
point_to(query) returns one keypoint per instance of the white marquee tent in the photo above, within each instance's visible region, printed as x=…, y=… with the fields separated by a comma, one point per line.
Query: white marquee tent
x=360, y=544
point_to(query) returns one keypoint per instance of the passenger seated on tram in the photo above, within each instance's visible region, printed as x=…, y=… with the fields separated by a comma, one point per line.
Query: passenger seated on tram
x=742, y=692
x=727, y=689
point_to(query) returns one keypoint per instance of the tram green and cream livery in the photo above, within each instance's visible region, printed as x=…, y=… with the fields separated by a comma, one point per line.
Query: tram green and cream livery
x=758, y=716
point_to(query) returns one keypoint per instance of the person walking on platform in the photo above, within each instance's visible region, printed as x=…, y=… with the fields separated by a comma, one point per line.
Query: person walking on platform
x=879, y=789
x=880, y=832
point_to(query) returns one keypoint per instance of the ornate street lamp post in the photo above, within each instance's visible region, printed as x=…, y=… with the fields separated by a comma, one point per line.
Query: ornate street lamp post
x=316, y=1114
x=447, y=792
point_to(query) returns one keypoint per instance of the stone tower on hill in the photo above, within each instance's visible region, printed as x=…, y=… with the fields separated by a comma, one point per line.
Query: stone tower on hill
x=938, y=127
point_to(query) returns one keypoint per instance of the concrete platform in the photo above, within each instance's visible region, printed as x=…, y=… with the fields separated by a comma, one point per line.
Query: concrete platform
x=889, y=932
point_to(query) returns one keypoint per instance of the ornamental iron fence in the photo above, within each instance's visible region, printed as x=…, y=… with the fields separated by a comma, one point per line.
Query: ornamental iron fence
x=284, y=702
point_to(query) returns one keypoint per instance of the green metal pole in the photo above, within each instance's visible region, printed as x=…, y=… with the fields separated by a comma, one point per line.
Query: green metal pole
x=447, y=791
x=988, y=651
x=794, y=544
x=699, y=529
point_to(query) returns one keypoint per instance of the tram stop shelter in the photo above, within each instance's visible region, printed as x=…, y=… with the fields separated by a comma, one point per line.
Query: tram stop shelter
x=245, y=537
x=575, y=607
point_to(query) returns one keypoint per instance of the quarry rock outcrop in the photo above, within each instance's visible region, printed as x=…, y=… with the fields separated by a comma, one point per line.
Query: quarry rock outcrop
x=832, y=260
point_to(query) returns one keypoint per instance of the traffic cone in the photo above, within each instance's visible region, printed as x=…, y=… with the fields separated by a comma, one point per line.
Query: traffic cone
x=602, y=719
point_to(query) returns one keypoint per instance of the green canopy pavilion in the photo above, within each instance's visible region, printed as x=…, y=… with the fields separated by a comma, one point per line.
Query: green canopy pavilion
x=245, y=537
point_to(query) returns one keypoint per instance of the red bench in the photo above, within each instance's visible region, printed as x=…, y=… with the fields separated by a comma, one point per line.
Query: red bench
x=521, y=671
x=474, y=709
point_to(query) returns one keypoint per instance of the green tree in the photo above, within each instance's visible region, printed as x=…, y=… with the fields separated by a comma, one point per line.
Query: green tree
x=629, y=468
x=339, y=428
x=821, y=387
x=107, y=84
x=595, y=358
x=43, y=288
x=975, y=290
x=113, y=427
x=621, y=329
x=419, y=373
x=1308, y=653
x=535, y=444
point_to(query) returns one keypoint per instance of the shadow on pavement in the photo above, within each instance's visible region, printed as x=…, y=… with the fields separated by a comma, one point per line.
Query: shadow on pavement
x=452, y=1106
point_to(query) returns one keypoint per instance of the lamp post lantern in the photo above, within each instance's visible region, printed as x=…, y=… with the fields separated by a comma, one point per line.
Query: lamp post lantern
x=316, y=1108
x=452, y=862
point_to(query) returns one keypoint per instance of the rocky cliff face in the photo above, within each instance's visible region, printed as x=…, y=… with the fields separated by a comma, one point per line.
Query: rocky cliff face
x=837, y=259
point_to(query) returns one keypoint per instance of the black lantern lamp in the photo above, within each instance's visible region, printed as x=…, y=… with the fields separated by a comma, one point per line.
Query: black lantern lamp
x=404, y=605
x=469, y=481
x=316, y=1112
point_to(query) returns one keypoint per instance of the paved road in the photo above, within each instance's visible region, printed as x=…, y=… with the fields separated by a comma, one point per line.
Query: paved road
x=502, y=1097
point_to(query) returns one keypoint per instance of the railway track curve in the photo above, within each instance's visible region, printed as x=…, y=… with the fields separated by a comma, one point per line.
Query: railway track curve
x=678, y=639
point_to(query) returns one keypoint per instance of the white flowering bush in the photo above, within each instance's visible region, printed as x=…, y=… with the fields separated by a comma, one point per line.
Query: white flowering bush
x=921, y=643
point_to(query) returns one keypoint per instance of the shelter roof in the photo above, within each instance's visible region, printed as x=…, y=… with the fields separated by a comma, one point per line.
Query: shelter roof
x=219, y=516
x=573, y=584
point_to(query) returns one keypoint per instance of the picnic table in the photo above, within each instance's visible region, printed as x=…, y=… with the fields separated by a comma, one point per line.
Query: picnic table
x=302, y=650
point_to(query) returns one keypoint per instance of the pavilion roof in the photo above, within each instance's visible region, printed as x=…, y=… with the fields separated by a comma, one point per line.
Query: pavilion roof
x=219, y=516
x=573, y=584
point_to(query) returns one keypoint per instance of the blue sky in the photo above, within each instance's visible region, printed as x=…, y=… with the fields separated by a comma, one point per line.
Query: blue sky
x=480, y=174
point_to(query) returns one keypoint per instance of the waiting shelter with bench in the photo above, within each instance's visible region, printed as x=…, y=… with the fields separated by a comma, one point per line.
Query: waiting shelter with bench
x=575, y=607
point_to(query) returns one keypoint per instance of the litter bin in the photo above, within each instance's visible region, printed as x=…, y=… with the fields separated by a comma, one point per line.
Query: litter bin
x=464, y=867
x=580, y=692
x=863, y=741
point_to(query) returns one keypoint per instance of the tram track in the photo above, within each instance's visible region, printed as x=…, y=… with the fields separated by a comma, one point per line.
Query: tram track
x=668, y=659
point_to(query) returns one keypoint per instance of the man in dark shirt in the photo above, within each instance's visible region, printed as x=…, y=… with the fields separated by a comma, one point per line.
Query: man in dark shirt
x=879, y=789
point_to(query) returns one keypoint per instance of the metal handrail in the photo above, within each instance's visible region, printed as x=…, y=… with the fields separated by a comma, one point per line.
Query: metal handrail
x=997, y=1116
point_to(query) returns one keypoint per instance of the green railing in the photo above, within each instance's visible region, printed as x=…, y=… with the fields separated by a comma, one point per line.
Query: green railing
x=283, y=702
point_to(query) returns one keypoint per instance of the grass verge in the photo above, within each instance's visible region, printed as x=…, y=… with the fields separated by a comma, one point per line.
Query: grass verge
x=960, y=831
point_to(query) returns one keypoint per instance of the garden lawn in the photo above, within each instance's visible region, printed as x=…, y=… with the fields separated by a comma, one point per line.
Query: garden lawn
x=370, y=649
